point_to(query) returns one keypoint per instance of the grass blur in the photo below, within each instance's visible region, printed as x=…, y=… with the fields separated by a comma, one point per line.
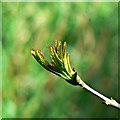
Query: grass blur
x=91, y=33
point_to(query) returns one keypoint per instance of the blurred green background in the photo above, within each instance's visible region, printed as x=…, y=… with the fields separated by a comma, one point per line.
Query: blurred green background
x=91, y=33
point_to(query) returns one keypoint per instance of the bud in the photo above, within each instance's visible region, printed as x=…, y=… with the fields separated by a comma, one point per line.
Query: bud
x=60, y=62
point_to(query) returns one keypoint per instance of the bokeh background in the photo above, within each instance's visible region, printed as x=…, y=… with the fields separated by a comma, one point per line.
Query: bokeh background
x=91, y=33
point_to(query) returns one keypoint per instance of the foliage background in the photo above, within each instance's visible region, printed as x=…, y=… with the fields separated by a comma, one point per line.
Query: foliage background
x=91, y=32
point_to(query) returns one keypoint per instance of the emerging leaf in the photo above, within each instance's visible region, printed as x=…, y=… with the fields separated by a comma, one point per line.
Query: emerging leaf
x=60, y=63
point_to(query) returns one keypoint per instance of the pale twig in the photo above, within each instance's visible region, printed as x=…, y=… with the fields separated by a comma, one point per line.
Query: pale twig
x=106, y=100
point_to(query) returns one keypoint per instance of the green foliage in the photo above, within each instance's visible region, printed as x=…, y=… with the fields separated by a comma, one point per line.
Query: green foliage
x=60, y=63
x=90, y=30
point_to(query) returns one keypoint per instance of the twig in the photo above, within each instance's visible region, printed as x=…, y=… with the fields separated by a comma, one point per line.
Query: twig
x=107, y=101
x=60, y=65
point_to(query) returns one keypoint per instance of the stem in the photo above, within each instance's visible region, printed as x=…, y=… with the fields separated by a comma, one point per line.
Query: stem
x=107, y=101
